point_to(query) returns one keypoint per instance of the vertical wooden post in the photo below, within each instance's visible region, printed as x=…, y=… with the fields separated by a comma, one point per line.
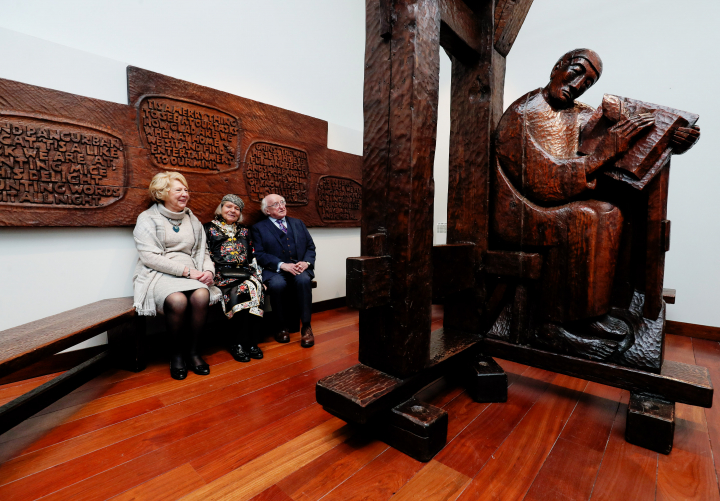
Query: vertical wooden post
x=476, y=108
x=400, y=97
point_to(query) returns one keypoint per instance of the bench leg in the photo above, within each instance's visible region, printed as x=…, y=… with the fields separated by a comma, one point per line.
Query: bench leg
x=18, y=410
x=127, y=345
x=650, y=423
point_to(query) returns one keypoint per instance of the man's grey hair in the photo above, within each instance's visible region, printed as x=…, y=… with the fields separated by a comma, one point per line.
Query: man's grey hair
x=264, y=204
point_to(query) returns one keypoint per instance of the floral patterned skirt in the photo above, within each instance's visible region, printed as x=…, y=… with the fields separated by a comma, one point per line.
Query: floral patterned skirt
x=247, y=295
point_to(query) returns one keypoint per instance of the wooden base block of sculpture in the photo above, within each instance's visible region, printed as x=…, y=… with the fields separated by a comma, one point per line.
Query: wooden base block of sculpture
x=415, y=428
x=676, y=382
x=361, y=393
x=395, y=408
x=486, y=381
x=650, y=423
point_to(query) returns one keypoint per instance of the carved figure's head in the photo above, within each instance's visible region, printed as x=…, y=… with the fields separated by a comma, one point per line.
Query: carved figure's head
x=572, y=75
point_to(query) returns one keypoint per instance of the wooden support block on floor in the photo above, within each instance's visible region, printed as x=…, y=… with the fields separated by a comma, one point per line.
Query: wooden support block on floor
x=650, y=423
x=415, y=428
x=486, y=381
x=360, y=393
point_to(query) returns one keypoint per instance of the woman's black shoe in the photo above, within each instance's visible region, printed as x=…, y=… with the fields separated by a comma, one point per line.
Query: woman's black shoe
x=198, y=365
x=239, y=354
x=255, y=352
x=178, y=373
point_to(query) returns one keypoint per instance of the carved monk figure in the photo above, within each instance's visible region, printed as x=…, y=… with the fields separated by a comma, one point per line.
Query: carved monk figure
x=544, y=199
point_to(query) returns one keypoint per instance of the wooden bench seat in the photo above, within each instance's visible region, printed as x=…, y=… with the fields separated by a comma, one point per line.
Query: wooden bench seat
x=29, y=343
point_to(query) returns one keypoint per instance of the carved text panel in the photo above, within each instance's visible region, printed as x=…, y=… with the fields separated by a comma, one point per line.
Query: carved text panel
x=339, y=199
x=187, y=136
x=271, y=168
x=56, y=164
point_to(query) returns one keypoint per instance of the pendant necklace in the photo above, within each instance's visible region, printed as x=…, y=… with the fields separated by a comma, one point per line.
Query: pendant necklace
x=175, y=224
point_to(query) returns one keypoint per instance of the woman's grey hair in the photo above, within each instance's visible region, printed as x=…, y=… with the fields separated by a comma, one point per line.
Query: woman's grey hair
x=218, y=211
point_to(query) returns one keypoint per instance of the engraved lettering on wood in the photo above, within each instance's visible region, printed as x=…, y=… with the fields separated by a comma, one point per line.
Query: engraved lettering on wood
x=339, y=199
x=186, y=136
x=271, y=168
x=57, y=164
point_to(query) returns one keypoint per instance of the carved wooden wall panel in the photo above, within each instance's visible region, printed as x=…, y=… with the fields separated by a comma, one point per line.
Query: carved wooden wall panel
x=69, y=160
x=66, y=159
x=250, y=148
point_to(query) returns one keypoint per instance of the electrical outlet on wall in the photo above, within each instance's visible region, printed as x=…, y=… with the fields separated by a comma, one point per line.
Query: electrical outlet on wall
x=441, y=227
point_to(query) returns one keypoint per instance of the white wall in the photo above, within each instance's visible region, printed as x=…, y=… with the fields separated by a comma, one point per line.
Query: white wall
x=271, y=51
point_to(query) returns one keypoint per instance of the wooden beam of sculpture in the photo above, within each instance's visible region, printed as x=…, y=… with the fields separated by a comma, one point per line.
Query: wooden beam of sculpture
x=476, y=105
x=657, y=243
x=402, y=75
x=514, y=264
x=509, y=18
x=459, y=29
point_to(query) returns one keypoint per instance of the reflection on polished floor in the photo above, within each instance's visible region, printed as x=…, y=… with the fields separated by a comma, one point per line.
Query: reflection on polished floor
x=254, y=431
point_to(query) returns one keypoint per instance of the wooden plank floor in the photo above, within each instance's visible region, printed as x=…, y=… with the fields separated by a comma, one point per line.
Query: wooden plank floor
x=254, y=432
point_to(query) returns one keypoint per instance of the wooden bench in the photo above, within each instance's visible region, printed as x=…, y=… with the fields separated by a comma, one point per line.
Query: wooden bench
x=29, y=343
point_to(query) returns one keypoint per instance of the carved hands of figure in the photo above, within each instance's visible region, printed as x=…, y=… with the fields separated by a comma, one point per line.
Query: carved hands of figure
x=619, y=140
x=684, y=138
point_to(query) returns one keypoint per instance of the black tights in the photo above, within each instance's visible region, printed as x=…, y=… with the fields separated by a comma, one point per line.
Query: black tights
x=177, y=316
x=244, y=329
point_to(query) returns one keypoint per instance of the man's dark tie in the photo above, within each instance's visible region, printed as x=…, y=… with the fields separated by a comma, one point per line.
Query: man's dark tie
x=282, y=226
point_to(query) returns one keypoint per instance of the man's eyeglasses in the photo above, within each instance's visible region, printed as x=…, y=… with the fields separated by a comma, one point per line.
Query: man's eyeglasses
x=281, y=203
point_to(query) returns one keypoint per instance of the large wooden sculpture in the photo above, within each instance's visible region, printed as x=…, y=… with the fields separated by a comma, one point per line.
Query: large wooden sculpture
x=556, y=227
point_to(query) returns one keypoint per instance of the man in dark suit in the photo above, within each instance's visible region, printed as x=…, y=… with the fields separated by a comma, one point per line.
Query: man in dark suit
x=286, y=251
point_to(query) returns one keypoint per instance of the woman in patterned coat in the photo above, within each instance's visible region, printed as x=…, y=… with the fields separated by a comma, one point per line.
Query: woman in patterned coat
x=238, y=276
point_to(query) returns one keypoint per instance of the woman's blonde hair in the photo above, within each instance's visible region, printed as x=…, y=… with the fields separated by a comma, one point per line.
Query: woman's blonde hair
x=160, y=184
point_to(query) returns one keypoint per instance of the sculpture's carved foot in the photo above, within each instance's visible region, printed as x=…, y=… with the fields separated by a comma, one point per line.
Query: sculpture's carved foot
x=607, y=327
x=594, y=348
x=562, y=340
